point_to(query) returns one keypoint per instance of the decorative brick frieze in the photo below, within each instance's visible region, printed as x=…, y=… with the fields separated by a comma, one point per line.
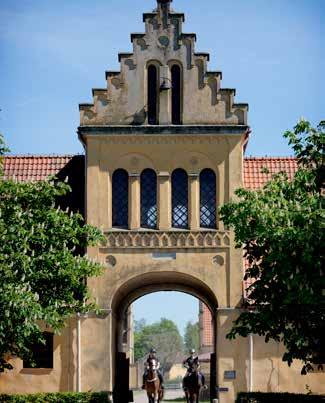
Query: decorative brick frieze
x=166, y=239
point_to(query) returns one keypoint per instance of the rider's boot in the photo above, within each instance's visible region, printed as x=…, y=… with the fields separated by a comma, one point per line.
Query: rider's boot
x=203, y=381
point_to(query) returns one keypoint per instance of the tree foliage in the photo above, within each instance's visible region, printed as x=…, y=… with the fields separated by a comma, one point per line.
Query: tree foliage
x=192, y=336
x=282, y=230
x=42, y=267
x=164, y=336
x=3, y=149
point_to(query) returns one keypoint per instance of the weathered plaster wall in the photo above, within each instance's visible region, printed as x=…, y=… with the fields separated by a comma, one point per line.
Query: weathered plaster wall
x=61, y=378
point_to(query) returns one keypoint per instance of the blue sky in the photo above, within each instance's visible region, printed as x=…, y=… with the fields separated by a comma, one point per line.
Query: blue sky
x=52, y=53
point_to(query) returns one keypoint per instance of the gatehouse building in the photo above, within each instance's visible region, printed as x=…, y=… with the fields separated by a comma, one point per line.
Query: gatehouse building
x=164, y=149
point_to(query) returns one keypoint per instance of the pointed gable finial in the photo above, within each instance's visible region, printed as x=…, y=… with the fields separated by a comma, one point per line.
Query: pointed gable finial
x=164, y=3
x=164, y=7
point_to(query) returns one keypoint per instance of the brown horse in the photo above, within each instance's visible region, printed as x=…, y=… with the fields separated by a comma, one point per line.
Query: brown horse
x=154, y=391
x=192, y=386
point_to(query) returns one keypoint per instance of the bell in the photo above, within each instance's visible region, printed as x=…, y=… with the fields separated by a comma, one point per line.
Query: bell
x=165, y=86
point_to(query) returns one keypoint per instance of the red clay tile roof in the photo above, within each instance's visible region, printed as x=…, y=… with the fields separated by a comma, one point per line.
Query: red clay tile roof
x=255, y=179
x=33, y=168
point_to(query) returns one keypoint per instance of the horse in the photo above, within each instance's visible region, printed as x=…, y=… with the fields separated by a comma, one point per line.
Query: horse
x=193, y=385
x=153, y=388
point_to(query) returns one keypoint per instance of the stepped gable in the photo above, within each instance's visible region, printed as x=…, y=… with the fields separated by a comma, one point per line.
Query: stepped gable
x=124, y=100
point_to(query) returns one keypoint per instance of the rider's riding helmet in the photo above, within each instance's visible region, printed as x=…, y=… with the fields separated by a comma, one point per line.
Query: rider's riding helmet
x=153, y=351
x=192, y=351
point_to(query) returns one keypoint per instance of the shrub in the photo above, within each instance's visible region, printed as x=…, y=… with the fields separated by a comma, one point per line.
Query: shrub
x=259, y=397
x=101, y=397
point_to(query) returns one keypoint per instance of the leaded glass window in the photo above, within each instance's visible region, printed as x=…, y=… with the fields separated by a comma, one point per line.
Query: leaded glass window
x=180, y=199
x=208, y=199
x=120, y=200
x=149, y=199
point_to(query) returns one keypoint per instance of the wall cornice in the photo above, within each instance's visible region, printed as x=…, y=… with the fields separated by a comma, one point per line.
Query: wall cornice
x=184, y=130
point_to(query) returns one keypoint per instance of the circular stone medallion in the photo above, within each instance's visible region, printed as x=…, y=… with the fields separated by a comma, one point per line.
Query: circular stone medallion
x=111, y=261
x=164, y=41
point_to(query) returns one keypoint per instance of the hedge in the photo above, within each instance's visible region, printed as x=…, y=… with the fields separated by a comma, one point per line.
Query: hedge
x=259, y=397
x=101, y=397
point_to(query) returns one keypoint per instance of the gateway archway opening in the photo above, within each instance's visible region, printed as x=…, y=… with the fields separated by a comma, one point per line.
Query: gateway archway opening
x=181, y=290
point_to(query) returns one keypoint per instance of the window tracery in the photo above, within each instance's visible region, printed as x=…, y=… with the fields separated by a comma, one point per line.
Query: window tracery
x=179, y=199
x=120, y=195
x=149, y=199
x=208, y=199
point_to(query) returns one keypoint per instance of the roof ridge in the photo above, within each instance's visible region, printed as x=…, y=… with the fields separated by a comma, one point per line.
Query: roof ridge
x=43, y=155
x=77, y=155
x=271, y=158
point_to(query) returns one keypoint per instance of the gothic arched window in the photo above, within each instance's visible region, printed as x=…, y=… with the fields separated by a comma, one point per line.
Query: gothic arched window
x=152, y=95
x=208, y=201
x=176, y=75
x=120, y=198
x=179, y=199
x=149, y=199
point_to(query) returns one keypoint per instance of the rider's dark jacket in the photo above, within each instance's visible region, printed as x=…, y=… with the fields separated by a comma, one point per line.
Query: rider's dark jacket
x=190, y=362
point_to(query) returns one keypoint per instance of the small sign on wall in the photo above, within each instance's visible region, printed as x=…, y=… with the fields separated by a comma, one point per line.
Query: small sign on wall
x=164, y=256
x=230, y=375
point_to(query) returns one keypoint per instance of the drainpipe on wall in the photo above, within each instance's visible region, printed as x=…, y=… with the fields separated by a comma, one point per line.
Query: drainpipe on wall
x=251, y=364
x=78, y=352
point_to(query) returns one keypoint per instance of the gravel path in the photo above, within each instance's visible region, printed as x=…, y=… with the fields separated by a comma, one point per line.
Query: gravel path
x=141, y=396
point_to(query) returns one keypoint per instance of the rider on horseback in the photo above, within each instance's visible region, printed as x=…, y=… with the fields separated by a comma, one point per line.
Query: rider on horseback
x=190, y=363
x=152, y=356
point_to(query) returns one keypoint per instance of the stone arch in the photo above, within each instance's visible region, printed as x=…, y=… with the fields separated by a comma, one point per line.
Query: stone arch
x=192, y=162
x=147, y=283
x=144, y=284
x=135, y=162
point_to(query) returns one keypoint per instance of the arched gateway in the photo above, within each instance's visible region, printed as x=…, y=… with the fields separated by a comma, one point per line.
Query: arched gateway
x=164, y=145
x=136, y=287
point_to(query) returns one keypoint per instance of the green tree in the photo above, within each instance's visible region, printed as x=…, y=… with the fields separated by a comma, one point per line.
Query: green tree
x=3, y=149
x=281, y=228
x=192, y=336
x=42, y=267
x=164, y=336
x=139, y=325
